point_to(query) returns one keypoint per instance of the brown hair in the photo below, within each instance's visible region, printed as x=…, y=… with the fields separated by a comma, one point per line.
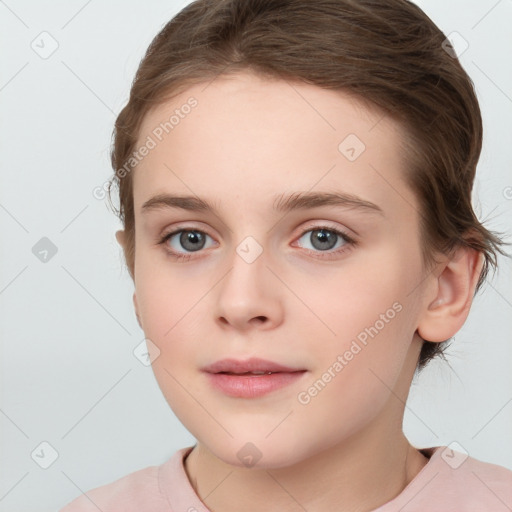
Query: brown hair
x=388, y=53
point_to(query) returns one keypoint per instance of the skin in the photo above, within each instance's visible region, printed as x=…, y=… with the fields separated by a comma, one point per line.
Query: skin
x=247, y=140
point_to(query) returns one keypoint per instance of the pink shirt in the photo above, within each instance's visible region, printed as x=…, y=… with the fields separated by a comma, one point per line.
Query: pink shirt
x=449, y=482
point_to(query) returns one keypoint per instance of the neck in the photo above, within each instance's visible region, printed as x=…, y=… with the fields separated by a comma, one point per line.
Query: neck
x=356, y=475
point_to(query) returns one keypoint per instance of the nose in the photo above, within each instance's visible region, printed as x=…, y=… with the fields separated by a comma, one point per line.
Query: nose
x=249, y=296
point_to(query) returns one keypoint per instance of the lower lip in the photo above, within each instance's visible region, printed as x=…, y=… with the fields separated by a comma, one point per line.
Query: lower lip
x=252, y=386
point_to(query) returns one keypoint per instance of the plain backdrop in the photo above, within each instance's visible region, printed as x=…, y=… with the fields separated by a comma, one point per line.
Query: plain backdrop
x=69, y=378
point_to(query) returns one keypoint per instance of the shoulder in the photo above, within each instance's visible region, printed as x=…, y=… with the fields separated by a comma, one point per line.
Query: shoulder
x=134, y=492
x=452, y=480
x=481, y=483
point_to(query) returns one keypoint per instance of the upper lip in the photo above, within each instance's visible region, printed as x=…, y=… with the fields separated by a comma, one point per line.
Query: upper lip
x=249, y=365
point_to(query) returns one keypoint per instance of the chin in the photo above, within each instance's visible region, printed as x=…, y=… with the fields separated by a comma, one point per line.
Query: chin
x=256, y=452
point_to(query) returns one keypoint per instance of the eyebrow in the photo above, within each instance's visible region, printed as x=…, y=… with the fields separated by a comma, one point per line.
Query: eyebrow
x=282, y=203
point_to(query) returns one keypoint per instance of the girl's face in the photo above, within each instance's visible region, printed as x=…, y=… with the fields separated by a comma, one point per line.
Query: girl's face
x=331, y=286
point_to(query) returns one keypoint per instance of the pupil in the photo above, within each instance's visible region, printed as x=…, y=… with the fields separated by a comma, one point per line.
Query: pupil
x=191, y=240
x=323, y=239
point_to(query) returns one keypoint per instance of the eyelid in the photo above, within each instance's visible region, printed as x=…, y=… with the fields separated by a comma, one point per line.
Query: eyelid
x=325, y=224
x=318, y=224
x=185, y=226
x=167, y=235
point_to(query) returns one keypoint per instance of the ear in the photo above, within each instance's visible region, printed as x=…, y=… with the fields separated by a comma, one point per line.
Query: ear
x=455, y=286
x=136, y=307
x=121, y=239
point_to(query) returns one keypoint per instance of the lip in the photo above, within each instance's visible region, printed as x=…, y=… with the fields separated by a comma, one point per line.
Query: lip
x=254, y=364
x=235, y=384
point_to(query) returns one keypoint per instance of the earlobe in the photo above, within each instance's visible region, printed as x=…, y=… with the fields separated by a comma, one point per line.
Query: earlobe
x=120, y=237
x=455, y=286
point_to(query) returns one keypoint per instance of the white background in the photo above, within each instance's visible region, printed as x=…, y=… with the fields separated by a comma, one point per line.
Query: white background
x=68, y=330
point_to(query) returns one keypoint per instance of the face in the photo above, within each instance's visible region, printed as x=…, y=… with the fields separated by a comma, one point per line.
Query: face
x=329, y=287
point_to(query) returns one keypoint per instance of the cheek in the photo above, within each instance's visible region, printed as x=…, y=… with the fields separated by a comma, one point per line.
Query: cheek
x=172, y=305
x=167, y=306
x=362, y=299
x=355, y=374
x=371, y=320
x=370, y=344
x=165, y=299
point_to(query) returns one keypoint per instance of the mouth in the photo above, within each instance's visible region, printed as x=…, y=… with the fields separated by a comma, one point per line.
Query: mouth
x=253, y=366
x=251, y=378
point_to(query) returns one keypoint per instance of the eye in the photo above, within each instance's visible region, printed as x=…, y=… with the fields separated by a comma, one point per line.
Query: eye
x=323, y=239
x=191, y=240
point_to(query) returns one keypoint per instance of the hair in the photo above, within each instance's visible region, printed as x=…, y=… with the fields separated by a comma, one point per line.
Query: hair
x=387, y=53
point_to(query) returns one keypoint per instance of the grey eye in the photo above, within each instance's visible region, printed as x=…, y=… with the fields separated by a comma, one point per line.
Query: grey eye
x=323, y=239
x=190, y=240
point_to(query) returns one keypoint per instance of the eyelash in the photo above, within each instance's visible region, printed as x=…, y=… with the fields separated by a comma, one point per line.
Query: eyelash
x=349, y=242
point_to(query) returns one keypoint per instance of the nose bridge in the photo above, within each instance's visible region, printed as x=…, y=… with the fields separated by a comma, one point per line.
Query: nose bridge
x=245, y=292
x=249, y=250
x=248, y=264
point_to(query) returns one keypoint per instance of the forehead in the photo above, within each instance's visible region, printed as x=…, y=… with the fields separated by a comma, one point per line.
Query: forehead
x=255, y=137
